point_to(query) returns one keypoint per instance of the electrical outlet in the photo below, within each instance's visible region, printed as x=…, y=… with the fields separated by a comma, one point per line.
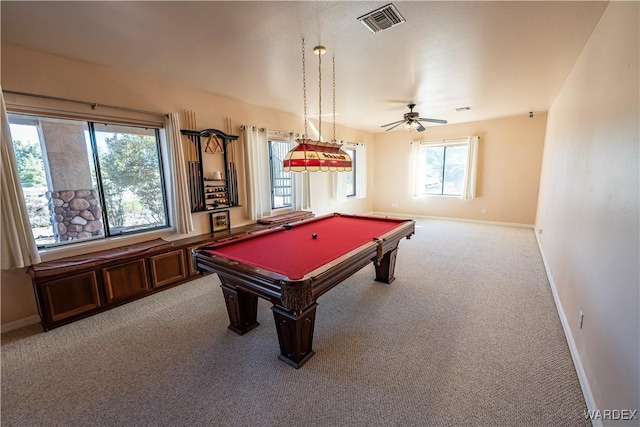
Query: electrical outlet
x=394, y=205
x=580, y=319
x=484, y=211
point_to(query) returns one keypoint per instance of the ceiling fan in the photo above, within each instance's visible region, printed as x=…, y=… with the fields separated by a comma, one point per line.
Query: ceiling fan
x=412, y=120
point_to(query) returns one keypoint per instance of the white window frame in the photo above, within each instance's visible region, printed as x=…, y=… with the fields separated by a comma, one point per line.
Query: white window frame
x=273, y=137
x=418, y=171
x=163, y=170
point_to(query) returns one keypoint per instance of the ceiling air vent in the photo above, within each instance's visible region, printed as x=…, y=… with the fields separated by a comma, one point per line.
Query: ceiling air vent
x=381, y=19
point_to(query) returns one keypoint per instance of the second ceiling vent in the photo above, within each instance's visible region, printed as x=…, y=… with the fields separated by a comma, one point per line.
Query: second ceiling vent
x=382, y=18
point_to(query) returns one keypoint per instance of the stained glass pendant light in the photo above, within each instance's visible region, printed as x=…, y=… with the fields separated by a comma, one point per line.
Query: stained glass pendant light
x=310, y=155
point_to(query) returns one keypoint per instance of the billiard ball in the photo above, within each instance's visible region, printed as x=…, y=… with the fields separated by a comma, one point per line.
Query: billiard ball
x=314, y=235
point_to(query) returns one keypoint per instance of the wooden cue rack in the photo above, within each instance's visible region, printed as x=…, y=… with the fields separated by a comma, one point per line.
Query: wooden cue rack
x=203, y=186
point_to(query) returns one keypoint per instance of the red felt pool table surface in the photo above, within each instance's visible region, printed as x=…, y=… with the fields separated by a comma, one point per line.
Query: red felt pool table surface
x=293, y=252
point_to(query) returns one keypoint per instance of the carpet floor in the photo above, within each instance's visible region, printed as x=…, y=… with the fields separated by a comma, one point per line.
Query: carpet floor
x=467, y=335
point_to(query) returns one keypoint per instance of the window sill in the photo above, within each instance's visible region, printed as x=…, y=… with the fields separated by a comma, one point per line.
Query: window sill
x=95, y=245
x=454, y=196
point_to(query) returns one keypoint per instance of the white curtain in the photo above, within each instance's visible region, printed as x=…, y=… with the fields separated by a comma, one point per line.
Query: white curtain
x=414, y=168
x=18, y=246
x=339, y=186
x=182, y=203
x=361, y=171
x=301, y=185
x=258, y=188
x=469, y=188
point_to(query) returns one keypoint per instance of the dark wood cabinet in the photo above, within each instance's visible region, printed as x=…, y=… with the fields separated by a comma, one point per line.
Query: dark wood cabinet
x=71, y=288
x=125, y=281
x=70, y=296
x=167, y=268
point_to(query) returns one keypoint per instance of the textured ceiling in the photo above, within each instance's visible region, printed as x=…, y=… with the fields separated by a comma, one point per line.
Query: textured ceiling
x=499, y=58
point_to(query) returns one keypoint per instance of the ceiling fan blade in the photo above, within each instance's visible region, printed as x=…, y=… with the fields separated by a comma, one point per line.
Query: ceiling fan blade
x=420, y=128
x=442, y=122
x=389, y=124
x=401, y=122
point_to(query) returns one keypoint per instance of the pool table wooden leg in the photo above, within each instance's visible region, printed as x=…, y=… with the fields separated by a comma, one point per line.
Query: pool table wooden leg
x=385, y=269
x=295, y=334
x=242, y=309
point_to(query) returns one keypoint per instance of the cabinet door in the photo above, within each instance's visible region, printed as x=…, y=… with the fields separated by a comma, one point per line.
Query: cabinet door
x=167, y=268
x=70, y=296
x=125, y=280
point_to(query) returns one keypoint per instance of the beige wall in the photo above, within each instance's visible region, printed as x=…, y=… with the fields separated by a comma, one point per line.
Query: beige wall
x=35, y=72
x=509, y=159
x=588, y=213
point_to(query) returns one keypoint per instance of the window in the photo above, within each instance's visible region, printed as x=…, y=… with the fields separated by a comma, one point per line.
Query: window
x=281, y=181
x=86, y=180
x=442, y=169
x=351, y=175
x=352, y=184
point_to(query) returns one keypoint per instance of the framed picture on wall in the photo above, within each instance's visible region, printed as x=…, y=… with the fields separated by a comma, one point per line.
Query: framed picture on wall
x=219, y=221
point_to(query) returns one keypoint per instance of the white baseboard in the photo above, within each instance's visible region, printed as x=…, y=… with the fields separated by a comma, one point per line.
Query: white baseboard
x=479, y=221
x=577, y=362
x=12, y=326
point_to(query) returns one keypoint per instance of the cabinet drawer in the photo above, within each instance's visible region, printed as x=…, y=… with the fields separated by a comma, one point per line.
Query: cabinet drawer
x=167, y=268
x=70, y=296
x=125, y=280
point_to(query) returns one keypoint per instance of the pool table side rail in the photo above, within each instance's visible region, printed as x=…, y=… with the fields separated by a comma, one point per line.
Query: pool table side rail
x=265, y=283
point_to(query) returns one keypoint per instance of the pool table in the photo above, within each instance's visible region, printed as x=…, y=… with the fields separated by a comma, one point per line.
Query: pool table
x=293, y=265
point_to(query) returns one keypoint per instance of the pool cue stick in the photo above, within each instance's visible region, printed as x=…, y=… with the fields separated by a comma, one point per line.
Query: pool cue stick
x=196, y=170
x=231, y=177
x=235, y=162
x=186, y=151
x=234, y=173
x=231, y=180
x=235, y=176
x=198, y=183
x=192, y=161
x=230, y=153
x=194, y=203
x=193, y=174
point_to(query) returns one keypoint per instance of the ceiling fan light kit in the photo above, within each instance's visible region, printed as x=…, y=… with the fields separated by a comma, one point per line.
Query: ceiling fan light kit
x=412, y=120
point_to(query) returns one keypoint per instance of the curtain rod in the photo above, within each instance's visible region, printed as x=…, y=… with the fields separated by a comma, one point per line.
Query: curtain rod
x=444, y=140
x=93, y=105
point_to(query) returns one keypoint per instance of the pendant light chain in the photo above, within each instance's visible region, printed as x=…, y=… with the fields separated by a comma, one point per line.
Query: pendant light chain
x=311, y=155
x=304, y=90
x=319, y=95
x=334, y=99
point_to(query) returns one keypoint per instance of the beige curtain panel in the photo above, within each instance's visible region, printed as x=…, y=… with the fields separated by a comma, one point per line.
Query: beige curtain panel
x=301, y=184
x=258, y=182
x=183, y=220
x=18, y=246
